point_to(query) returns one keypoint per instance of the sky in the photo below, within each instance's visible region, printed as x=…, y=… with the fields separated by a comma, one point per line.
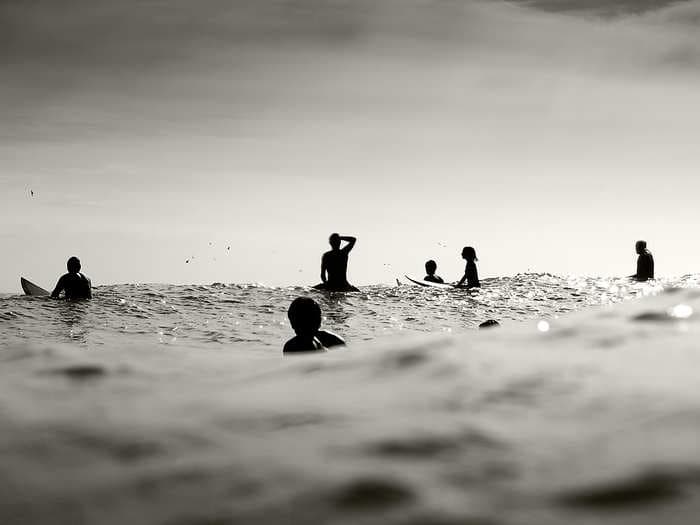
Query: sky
x=550, y=135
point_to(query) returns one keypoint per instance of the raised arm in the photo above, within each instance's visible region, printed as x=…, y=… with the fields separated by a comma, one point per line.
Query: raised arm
x=350, y=243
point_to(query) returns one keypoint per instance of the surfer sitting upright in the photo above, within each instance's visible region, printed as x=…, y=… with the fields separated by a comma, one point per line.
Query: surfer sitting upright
x=645, y=262
x=470, y=273
x=430, y=269
x=74, y=284
x=334, y=265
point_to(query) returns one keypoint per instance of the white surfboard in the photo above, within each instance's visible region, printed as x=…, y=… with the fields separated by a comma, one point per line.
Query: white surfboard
x=421, y=282
x=32, y=289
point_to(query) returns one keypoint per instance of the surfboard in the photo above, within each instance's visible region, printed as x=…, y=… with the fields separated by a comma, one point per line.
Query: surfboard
x=429, y=284
x=326, y=288
x=32, y=289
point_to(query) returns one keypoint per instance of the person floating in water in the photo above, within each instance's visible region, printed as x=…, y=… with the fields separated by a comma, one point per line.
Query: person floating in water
x=305, y=317
x=645, y=262
x=334, y=265
x=74, y=284
x=430, y=269
x=471, y=275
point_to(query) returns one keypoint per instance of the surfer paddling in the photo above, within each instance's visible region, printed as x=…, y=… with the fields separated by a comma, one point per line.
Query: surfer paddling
x=645, y=262
x=430, y=269
x=471, y=275
x=305, y=317
x=334, y=265
x=74, y=284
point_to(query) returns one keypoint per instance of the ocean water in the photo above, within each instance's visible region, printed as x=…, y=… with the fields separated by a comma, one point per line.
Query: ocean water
x=253, y=318
x=162, y=404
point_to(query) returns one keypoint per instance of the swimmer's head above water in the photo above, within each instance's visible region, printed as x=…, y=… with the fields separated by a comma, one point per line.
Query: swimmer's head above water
x=73, y=265
x=430, y=267
x=305, y=316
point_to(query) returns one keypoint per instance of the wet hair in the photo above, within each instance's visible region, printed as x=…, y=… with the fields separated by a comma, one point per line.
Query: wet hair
x=430, y=267
x=304, y=315
x=469, y=253
x=334, y=240
x=73, y=265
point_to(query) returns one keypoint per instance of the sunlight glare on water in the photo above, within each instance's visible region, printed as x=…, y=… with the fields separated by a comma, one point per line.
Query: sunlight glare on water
x=253, y=317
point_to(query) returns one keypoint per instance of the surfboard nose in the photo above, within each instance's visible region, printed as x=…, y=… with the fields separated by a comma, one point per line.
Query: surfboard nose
x=32, y=289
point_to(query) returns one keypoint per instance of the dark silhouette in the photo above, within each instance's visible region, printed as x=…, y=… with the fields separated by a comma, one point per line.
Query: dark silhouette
x=334, y=265
x=491, y=323
x=305, y=317
x=645, y=262
x=430, y=269
x=471, y=275
x=74, y=284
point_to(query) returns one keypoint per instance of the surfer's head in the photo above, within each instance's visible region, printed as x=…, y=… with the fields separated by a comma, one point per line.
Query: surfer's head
x=73, y=265
x=305, y=316
x=641, y=247
x=334, y=241
x=469, y=254
x=430, y=267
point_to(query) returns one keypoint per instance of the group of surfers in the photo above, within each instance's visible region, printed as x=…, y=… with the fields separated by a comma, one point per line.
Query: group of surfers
x=334, y=267
x=305, y=314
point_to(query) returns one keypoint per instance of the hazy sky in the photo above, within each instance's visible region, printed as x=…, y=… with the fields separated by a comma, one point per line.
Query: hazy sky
x=548, y=134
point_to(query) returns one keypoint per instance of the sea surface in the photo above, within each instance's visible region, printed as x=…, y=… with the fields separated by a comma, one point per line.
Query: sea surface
x=253, y=318
x=164, y=404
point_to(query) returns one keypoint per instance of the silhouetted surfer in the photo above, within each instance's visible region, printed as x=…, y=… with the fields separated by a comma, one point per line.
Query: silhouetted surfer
x=645, y=262
x=74, y=284
x=430, y=269
x=471, y=275
x=334, y=265
x=305, y=317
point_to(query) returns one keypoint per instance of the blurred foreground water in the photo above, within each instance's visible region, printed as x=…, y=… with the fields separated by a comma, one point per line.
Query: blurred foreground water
x=173, y=404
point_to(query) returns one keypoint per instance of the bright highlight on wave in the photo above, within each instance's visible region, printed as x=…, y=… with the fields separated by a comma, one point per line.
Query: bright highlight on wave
x=681, y=311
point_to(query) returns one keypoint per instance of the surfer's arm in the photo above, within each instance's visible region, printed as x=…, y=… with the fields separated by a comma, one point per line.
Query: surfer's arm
x=59, y=288
x=640, y=269
x=350, y=243
x=324, y=269
x=646, y=267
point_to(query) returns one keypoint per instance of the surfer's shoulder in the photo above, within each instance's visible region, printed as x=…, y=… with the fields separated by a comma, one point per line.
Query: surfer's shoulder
x=302, y=344
x=329, y=339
